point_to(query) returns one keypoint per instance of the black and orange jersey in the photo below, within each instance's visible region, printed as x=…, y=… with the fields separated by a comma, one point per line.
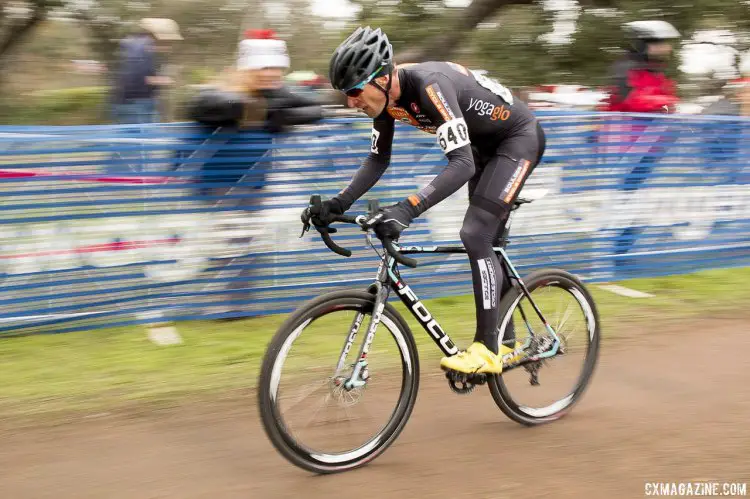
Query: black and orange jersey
x=467, y=112
x=480, y=110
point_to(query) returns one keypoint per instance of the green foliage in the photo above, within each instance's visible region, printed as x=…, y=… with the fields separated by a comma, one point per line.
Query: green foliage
x=515, y=50
x=513, y=44
x=509, y=47
x=199, y=76
x=69, y=106
x=408, y=23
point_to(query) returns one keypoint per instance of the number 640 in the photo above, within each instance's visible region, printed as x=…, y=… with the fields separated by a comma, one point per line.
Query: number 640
x=450, y=135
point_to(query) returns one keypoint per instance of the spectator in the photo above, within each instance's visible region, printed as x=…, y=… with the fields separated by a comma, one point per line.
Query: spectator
x=743, y=87
x=138, y=78
x=723, y=161
x=253, y=100
x=640, y=86
x=639, y=82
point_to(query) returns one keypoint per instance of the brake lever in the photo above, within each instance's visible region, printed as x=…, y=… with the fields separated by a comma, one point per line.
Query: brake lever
x=305, y=228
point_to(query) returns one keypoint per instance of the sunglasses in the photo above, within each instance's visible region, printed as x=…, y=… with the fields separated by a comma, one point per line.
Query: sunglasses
x=357, y=90
x=354, y=92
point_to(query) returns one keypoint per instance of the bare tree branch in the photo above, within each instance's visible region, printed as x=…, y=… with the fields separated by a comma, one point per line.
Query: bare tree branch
x=599, y=4
x=103, y=31
x=443, y=44
x=17, y=31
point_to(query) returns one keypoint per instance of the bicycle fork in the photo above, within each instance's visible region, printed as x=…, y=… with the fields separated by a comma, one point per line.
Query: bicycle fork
x=360, y=373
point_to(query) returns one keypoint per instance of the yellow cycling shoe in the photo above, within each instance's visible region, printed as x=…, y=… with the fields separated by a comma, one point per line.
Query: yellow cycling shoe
x=476, y=359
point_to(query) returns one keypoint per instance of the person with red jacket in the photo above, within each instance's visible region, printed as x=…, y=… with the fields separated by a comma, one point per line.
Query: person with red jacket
x=640, y=86
x=639, y=82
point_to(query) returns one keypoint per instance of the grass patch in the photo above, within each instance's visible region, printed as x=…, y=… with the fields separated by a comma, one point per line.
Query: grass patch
x=119, y=366
x=68, y=106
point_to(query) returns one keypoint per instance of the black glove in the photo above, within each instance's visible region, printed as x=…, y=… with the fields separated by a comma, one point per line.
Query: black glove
x=391, y=221
x=323, y=215
x=274, y=121
x=286, y=108
x=217, y=107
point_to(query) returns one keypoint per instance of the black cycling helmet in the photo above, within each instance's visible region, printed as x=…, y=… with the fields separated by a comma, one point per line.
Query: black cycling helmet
x=360, y=57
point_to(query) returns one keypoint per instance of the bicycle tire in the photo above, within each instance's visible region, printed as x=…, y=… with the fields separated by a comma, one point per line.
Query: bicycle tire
x=498, y=389
x=283, y=441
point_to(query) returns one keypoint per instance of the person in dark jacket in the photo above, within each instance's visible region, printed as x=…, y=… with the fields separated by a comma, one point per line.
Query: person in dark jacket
x=244, y=113
x=254, y=102
x=137, y=78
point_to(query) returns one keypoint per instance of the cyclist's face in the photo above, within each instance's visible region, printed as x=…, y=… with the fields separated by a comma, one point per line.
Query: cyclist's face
x=370, y=101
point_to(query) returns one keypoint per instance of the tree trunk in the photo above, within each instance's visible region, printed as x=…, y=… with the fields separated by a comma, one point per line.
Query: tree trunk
x=442, y=45
x=17, y=32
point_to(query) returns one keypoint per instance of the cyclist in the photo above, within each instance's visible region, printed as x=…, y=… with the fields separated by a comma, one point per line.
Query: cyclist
x=491, y=140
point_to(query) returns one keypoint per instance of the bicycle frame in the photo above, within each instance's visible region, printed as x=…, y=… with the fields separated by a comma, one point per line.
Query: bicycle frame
x=388, y=278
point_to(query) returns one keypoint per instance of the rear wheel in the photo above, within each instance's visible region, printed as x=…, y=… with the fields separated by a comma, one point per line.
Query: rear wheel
x=562, y=379
x=311, y=410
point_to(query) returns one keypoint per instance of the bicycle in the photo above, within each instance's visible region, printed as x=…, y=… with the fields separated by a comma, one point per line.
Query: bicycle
x=345, y=382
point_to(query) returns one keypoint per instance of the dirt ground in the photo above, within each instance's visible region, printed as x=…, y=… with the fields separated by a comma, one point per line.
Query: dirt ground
x=666, y=406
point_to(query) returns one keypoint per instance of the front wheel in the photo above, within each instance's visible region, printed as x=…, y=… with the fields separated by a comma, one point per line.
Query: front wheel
x=325, y=409
x=539, y=391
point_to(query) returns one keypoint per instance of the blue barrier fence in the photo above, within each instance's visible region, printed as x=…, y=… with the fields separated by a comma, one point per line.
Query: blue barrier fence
x=119, y=225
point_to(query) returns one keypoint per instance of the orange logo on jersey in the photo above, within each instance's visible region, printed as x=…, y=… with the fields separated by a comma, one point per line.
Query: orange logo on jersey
x=484, y=108
x=500, y=113
x=399, y=113
x=436, y=96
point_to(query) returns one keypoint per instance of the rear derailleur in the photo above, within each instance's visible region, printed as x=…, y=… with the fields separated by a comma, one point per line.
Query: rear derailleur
x=539, y=345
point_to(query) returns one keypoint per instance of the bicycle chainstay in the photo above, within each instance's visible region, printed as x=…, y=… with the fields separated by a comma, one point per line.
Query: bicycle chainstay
x=463, y=384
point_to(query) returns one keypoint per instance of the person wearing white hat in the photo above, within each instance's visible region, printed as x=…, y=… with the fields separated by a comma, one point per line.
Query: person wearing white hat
x=255, y=95
x=261, y=49
x=255, y=100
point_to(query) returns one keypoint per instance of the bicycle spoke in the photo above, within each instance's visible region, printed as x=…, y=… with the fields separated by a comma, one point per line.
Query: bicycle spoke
x=314, y=389
x=566, y=337
x=326, y=401
x=349, y=419
x=561, y=323
x=559, y=304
